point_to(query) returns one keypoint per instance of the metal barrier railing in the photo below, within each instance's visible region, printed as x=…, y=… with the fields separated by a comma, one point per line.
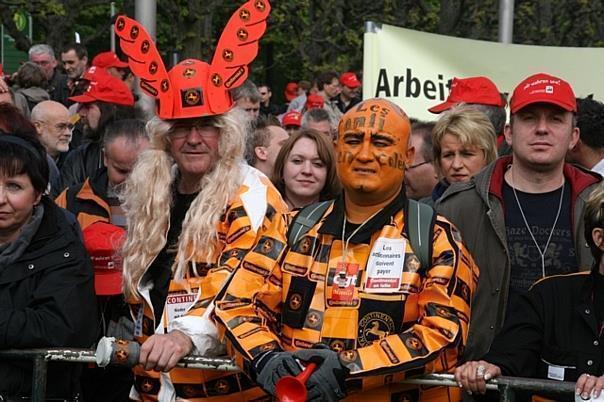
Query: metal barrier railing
x=40, y=357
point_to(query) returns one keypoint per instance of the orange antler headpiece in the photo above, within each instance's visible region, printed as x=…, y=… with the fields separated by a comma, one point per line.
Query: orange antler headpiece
x=194, y=88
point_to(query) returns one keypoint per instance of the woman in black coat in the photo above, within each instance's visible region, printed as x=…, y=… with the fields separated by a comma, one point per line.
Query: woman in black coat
x=46, y=279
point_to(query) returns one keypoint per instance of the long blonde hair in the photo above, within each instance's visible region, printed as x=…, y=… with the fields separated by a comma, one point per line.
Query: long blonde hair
x=147, y=200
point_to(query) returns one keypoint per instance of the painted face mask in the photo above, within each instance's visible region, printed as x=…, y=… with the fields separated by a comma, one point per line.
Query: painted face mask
x=372, y=150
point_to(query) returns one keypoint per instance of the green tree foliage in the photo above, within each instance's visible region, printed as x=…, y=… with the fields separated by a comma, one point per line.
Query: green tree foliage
x=308, y=36
x=56, y=21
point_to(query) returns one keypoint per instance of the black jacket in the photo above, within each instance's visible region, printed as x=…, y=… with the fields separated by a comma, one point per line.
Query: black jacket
x=81, y=163
x=554, y=325
x=57, y=88
x=47, y=299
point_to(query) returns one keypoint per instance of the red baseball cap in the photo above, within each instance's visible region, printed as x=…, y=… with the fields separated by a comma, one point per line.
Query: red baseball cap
x=314, y=101
x=543, y=88
x=108, y=59
x=291, y=91
x=103, y=241
x=350, y=80
x=104, y=87
x=292, y=118
x=479, y=90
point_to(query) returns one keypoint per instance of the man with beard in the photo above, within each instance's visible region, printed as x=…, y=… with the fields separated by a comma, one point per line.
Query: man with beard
x=107, y=99
x=54, y=128
x=355, y=294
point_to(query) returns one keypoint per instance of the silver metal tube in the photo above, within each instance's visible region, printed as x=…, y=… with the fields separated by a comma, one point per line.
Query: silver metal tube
x=506, y=385
x=75, y=355
x=2, y=45
x=30, y=28
x=38, y=386
x=506, y=21
x=111, y=31
x=145, y=12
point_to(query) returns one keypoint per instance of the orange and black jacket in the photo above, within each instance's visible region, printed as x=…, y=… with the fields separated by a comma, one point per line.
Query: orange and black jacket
x=287, y=298
x=255, y=206
x=87, y=200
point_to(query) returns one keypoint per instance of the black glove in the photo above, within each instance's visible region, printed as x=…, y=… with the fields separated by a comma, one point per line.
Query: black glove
x=268, y=368
x=327, y=381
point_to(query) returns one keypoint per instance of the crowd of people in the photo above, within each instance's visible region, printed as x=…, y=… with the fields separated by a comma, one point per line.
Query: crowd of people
x=329, y=229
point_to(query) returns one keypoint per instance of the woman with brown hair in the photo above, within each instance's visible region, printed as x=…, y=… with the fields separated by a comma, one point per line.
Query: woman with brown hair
x=305, y=169
x=46, y=279
x=31, y=90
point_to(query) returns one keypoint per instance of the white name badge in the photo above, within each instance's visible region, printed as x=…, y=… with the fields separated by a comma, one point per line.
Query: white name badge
x=177, y=304
x=385, y=266
x=555, y=373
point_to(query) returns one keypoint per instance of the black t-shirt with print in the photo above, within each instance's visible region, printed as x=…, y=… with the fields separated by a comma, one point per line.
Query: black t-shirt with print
x=540, y=211
x=161, y=269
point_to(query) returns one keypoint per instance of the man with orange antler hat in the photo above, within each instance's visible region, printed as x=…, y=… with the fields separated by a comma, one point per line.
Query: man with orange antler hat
x=193, y=209
x=355, y=293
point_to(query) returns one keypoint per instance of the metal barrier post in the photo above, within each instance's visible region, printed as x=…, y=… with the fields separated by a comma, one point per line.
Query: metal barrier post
x=506, y=393
x=38, y=381
x=40, y=357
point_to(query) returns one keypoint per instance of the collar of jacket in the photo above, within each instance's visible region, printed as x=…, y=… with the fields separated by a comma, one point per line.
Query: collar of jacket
x=332, y=225
x=490, y=180
x=439, y=189
x=578, y=178
x=51, y=230
x=95, y=188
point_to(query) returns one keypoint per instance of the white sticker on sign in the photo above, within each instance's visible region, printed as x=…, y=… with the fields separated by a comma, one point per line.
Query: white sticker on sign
x=385, y=266
x=177, y=304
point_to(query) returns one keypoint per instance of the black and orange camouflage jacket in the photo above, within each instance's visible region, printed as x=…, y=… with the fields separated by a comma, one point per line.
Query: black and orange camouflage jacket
x=384, y=326
x=189, y=301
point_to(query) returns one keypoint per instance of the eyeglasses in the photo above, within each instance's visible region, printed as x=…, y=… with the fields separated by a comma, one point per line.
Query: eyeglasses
x=61, y=126
x=181, y=130
x=64, y=126
x=418, y=164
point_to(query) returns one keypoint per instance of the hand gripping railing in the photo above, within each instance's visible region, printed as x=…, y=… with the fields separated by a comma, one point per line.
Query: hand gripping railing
x=505, y=385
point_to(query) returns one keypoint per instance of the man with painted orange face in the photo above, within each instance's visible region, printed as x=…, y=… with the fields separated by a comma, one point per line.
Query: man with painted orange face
x=351, y=293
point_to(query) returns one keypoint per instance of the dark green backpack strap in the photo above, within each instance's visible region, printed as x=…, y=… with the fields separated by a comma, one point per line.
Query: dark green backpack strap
x=420, y=222
x=306, y=219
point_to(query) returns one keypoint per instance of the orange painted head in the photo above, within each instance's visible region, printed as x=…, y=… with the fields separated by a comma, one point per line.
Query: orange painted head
x=373, y=150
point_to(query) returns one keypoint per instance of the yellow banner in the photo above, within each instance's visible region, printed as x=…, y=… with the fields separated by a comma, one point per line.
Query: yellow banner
x=414, y=69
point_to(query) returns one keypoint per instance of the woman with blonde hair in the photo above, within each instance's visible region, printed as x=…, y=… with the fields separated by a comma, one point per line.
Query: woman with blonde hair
x=464, y=141
x=305, y=169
